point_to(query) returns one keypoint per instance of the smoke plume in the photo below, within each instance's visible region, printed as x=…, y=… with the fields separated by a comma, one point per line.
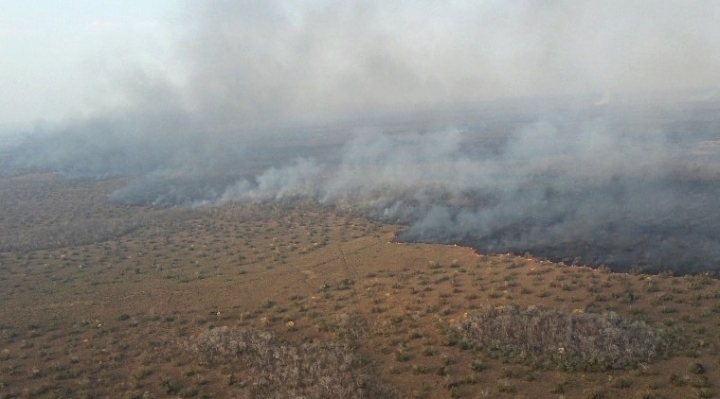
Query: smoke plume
x=582, y=132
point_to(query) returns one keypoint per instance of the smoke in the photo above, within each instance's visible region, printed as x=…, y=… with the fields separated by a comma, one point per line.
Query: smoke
x=617, y=190
x=260, y=63
x=583, y=132
x=301, y=179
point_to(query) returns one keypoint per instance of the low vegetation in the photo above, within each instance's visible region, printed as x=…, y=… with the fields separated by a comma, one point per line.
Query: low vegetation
x=277, y=369
x=548, y=338
x=294, y=299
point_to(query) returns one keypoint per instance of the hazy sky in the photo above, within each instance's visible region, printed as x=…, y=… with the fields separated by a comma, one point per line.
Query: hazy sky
x=248, y=62
x=58, y=57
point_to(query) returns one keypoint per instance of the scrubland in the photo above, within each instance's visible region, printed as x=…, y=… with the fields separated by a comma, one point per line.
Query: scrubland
x=294, y=299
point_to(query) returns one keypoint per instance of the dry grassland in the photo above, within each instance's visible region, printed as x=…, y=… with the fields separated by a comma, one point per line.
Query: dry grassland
x=297, y=300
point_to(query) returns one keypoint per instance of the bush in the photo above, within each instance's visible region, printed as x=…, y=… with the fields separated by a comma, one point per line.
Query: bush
x=567, y=341
x=283, y=370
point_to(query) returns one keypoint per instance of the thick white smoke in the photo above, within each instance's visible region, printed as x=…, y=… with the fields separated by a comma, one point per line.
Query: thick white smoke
x=564, y=129
x=625, y=192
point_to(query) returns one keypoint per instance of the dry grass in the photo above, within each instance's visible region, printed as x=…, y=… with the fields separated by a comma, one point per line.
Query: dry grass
x=318, y=287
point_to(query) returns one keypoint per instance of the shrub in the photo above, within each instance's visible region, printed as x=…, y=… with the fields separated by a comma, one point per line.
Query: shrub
x=284, y=370
x=569, y=341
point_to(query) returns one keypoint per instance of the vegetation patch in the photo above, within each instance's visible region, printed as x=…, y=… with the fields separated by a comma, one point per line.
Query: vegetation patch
x=549, y=338
x=275, y=369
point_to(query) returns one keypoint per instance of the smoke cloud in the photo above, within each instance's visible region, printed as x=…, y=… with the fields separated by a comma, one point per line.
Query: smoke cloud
x=583, y=132
x=260, y=63
x=614, y=190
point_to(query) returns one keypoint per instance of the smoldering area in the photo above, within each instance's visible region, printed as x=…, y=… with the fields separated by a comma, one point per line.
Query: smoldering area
x=631, y=185
x=580, y=132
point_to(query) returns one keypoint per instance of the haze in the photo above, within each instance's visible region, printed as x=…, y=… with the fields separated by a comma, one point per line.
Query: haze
x=560, y=128
x=249, y=63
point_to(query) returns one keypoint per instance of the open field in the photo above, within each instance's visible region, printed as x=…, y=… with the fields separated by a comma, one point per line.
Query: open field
x=103, y=300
